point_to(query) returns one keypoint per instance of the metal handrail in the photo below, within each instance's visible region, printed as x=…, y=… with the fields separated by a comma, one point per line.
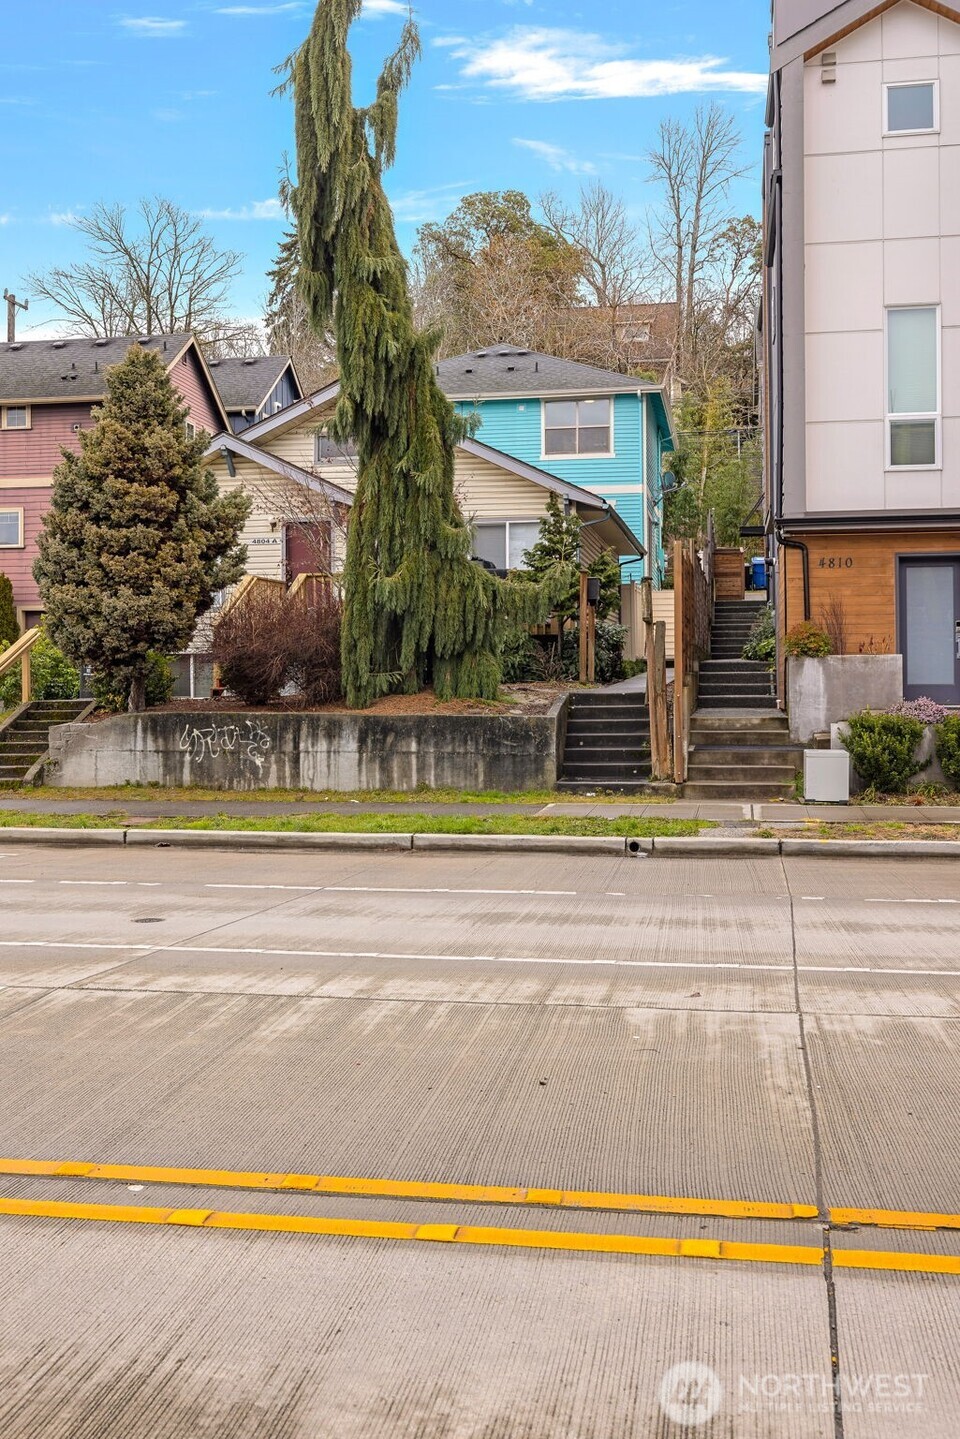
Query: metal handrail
x=19, y=654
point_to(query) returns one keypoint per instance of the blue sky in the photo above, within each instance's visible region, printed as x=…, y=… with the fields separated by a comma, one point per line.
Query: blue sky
x=113, y=99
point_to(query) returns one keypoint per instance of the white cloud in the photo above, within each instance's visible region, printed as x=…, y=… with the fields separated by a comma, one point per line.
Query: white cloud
x=63, y=217
x=541, y=63
x=558, y=158
x=4, y=219
x=419, y=207
x=152, y=26
x=291, y=5
x=385, y=7
x=256, y=210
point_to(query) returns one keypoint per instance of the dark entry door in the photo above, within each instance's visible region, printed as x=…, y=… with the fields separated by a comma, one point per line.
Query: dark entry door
x=929, y=603
x=307, y=549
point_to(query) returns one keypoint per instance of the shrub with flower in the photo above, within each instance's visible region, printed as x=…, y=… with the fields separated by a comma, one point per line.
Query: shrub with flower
x=926, y=710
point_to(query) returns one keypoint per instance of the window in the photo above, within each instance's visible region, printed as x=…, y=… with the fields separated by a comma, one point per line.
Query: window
x=190, y=429
x=577, y=427
x=912, y=109
x=332, y=450
x=913, y=388
x=505, y=542
x=11, y=529
x=16, y=417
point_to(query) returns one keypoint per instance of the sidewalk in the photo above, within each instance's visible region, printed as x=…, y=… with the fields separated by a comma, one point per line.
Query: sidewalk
x=729, y=813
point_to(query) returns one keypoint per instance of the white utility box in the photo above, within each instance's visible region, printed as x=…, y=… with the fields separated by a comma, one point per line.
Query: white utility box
x=826, y=776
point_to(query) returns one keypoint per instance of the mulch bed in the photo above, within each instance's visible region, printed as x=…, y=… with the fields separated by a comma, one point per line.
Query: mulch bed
x=524, y=699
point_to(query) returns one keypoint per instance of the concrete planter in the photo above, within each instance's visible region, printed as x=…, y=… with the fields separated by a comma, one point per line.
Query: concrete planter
x=247, y=751
x=821, y=693
x=926, y=750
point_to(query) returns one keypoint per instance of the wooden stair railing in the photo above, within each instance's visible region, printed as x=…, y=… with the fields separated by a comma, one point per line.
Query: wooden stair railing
x=19, y=654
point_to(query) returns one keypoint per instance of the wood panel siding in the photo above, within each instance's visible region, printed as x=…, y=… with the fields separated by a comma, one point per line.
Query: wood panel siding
x=188, y=377
x=34, y=453
x=729, y=574
x=17, y=564
x=860, y=570
x=664, y=609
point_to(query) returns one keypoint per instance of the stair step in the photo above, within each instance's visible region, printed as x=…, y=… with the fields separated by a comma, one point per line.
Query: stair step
x=741, y=754
x=738, y=702
x=588, y=787
x=706, y=790
x=744, y=774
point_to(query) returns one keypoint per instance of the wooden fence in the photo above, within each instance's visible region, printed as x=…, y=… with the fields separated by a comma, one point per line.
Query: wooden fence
x=693, y=602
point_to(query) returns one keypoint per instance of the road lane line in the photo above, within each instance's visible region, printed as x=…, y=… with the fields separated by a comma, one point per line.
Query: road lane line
x=406, y=1189
x=791, y=1254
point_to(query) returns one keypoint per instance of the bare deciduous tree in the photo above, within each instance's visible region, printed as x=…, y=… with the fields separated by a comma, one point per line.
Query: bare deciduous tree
x=694, y=166
x=151, y=272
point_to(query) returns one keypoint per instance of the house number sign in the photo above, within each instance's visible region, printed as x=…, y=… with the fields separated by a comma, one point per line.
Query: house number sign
x=836, y=562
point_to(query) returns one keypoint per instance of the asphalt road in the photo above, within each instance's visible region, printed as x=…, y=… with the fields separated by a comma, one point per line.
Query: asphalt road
x=702, y=1062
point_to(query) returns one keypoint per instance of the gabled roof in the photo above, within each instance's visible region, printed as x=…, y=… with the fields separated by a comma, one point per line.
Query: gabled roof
x=73, y=369
x=804, y=28
x=293, y=414
x=229, y=444
x=246, y=384
x=509, y=370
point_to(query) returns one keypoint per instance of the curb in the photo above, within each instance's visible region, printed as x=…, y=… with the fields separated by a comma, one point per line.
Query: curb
x=525, y=843
x=332, y=841
x=704, y=844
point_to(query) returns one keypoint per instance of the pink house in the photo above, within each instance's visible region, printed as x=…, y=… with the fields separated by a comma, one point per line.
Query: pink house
x=47, y=391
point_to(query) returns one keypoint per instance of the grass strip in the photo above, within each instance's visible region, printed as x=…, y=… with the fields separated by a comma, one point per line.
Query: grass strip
x=369, y=824
x=159, y=794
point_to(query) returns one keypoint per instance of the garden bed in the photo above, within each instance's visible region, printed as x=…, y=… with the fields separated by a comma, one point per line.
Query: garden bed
x=519, y=699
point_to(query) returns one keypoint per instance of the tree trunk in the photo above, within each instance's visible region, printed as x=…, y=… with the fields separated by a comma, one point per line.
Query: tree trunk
x=138, y=694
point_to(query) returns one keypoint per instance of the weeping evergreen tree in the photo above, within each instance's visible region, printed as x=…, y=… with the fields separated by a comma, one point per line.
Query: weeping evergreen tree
x=417, y=610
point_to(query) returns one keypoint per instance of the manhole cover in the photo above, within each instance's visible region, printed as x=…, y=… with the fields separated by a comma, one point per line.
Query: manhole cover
x=152, y=919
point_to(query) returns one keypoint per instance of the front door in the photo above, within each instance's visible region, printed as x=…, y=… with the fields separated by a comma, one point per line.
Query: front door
x=929, y=602
x=307, y=545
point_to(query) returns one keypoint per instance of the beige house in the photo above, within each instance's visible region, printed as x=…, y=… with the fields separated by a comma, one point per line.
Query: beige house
x=301, y=484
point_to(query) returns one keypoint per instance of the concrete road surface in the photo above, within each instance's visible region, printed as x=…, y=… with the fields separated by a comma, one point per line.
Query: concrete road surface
x=477, y=1147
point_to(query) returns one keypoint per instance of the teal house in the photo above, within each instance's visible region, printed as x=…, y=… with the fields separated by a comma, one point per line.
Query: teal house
x=597, y=429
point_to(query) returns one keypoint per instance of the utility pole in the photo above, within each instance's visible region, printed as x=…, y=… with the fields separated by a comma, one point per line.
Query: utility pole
x=13, y=305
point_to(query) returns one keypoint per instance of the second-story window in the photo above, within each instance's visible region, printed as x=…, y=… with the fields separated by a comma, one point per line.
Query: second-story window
x=16, y=417
x=913, y=388
x=912, y=108
x=577, y=427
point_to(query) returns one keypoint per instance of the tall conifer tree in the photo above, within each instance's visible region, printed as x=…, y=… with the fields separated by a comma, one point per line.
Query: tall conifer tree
x=137, y=539
x=417, y=609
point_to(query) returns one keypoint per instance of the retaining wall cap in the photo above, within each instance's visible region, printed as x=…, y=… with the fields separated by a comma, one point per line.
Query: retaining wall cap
x=874, y=848
x=264, y=839
x=529, y=843
x=708, y=845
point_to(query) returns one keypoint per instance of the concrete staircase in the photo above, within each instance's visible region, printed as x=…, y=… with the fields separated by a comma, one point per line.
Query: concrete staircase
x=727, y=681
x=748, y=757
x=608, y=744
x=25, y=738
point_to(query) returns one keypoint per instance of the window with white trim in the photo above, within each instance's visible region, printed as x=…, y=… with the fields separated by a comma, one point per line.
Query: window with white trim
x=504, y=543
x=912, y=108
x=16, y=417
x=913, y=387
x=11, y=529
x=577, y=427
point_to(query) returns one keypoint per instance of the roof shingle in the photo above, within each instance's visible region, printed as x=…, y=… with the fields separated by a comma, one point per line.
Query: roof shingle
x=71, y=369
x=510, y=370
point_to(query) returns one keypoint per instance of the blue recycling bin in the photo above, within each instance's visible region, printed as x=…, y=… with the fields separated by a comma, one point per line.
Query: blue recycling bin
x=759, y=568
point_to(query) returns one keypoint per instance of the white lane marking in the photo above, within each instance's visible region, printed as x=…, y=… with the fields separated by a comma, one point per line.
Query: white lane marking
x=113, y=883
x=17, y=881
x=813, y=896
x=402, y=889
x=723, y=964
x=911, y=901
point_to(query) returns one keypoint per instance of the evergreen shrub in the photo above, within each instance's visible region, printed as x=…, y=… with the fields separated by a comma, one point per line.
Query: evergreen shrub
x=9, y=629
x=883, y=749
x=52, y=675
x=762, y=640
x=948, y=749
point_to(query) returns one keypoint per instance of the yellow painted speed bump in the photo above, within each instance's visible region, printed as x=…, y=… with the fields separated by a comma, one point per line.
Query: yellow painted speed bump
x=705, y=1249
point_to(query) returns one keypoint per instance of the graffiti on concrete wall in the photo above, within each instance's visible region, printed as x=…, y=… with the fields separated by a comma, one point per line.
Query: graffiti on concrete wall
x=248, y=740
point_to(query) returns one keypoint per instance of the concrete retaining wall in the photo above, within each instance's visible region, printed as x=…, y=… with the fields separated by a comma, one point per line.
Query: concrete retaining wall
x=246, y=751
x=821, y=693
